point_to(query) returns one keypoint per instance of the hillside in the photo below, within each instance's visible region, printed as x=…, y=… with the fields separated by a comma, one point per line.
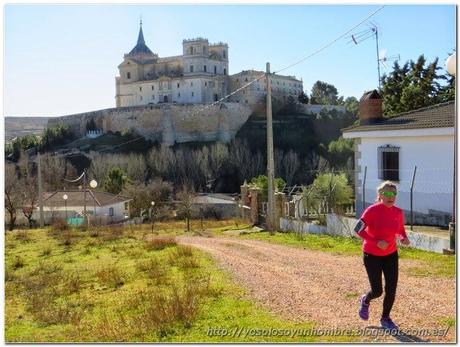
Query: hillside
x=21, y=126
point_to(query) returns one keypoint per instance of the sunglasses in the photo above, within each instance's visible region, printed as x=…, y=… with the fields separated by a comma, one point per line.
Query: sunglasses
x=388, y=194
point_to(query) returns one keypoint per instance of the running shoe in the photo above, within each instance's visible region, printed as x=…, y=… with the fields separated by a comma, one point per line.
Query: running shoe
x=363, y=308
x=387, y=323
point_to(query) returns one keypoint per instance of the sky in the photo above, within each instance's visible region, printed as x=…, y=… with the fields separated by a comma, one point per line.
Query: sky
x=62, y=59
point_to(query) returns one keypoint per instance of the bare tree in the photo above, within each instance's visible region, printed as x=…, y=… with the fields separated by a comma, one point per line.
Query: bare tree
x=29, y=191
x=54, y=170
x=12, y=194
x=290, y=166
x=186, y=196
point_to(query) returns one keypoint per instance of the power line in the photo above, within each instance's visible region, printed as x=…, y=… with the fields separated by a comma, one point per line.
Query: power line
x=294, y=64
x=331, y=42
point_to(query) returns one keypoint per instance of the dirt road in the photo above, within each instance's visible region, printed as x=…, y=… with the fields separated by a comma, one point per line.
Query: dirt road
x=306, y=285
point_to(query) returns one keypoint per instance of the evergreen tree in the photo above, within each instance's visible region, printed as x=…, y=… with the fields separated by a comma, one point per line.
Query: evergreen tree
x=415, y=85
x=115, y=180
x=323, y=93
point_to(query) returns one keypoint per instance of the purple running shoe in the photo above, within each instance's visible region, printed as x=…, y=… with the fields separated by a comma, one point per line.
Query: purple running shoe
x=363, y=308
x=387, y=323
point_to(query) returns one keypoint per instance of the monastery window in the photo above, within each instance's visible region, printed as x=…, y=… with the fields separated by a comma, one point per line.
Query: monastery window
x=246, y=79
x=169, y=84
x=215, y=69
x=178, y=95
x=191, y=68
x=140, y=89
x=205, y=84
x=153, y=97
x=128, y=75
x=153, y=88
x=224, y=53
x=204, y=68
x=193, y=94
x=141, y=97
x=178, y=85
x=190, y=51
x=225, y=71
x=237, y=80
x=111, y=212
x=191, y=84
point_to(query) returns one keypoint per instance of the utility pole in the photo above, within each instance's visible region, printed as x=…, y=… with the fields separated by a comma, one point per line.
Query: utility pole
x=40, y=190
x=270, y=161
x=85, y=217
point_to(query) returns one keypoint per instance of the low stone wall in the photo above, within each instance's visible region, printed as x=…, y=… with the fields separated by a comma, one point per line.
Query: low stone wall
x=165, y=123
x=344, y=226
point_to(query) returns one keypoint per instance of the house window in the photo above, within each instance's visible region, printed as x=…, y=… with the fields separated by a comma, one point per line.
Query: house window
x=191, y=68
x=388, y=163
x=128, y=75
x=204, y=67
x=111, y=214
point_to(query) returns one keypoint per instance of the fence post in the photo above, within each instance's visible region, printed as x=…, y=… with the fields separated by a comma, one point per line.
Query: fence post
x=364, y=188
x=411, y=199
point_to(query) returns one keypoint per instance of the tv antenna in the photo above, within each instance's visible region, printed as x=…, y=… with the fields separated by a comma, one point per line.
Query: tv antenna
x=373, y=31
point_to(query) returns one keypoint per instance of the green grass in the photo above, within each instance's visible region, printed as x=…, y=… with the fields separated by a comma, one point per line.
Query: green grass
x=108, y=286
x=428, y=263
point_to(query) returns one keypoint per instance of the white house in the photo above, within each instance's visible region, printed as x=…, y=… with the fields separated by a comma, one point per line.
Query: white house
x=102, y=206
x=391, y=149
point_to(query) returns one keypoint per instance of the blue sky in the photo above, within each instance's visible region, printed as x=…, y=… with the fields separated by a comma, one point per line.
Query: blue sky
x=62, y=59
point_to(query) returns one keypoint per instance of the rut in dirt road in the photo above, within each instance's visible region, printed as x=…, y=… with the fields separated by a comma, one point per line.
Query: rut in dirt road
x=306, y=285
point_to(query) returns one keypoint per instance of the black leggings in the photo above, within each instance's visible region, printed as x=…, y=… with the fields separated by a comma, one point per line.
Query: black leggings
x=375, y=265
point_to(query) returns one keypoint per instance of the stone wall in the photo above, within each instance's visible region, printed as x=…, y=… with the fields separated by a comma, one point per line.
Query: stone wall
x=166, y=123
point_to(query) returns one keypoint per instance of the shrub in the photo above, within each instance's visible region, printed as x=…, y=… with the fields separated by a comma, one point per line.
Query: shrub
x=18, y=263
x=111, y=276
x=59, y=225
x=154, y=269
x=160, y=242
x=112, y=232
x=22, y=235
x=46, y=251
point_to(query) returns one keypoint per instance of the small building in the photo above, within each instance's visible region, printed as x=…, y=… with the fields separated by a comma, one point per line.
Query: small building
x=413, y=149
x=218, y=206
x=101, y=207
x=283, y=87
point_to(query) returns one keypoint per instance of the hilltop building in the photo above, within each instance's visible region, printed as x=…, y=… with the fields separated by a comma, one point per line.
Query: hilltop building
x=199, y=75
x=282, y=87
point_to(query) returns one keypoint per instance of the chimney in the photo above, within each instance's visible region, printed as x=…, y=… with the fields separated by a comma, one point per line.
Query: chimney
x=370, y=108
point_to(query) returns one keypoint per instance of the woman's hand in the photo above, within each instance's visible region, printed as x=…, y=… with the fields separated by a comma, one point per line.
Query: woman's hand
x=405, y=242
x=382, y=244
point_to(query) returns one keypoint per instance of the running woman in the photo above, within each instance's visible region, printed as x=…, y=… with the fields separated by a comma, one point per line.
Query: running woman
x=379, y=226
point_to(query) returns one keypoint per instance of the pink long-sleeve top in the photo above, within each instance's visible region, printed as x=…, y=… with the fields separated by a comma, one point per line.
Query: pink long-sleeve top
x=382, y=223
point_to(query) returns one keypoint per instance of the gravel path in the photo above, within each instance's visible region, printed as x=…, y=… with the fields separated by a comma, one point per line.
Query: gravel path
x=306, y=285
